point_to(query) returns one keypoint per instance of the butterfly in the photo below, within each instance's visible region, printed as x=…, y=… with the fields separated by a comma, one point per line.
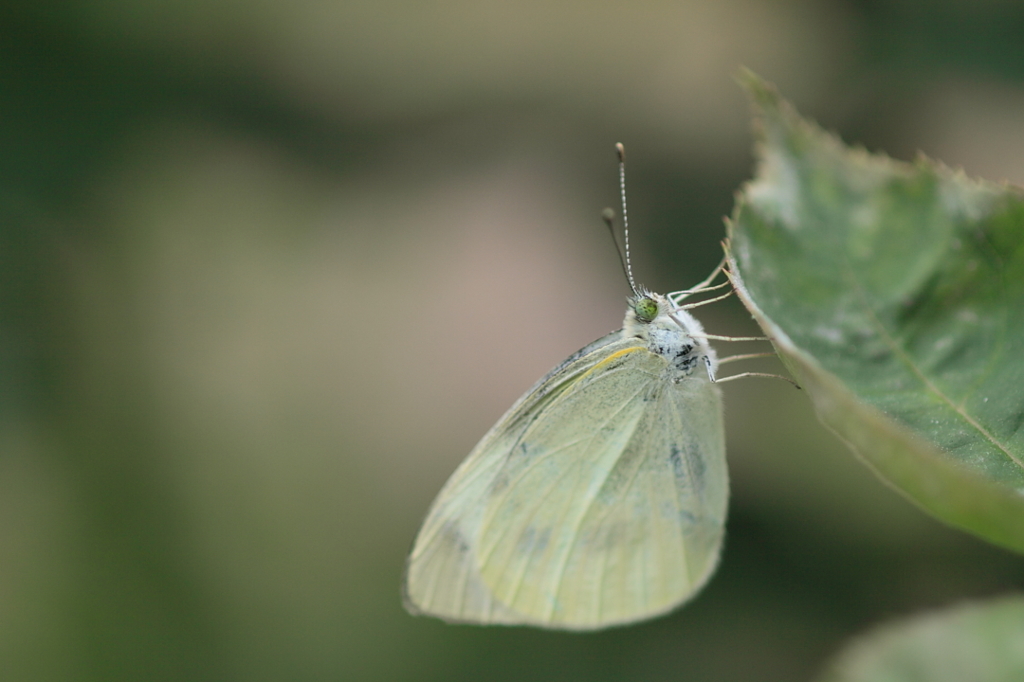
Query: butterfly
x=600, y=497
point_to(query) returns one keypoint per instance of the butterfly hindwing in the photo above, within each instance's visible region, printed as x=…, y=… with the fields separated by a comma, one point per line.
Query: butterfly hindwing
x=611, y=506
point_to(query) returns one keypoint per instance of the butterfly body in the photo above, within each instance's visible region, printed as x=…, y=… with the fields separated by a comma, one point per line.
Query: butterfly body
x=598, y=499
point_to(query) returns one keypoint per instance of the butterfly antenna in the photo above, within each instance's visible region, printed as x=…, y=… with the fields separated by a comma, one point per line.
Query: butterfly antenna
x=608, y=216
x=625, y=217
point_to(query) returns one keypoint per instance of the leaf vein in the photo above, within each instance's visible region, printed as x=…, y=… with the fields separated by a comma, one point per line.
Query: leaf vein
x=912, y=365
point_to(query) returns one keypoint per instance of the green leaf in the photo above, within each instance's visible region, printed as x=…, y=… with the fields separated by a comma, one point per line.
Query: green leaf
x=975, y=642
x=894, y=292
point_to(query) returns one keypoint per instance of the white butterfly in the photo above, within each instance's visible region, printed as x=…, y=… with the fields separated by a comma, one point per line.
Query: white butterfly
x=600, y=497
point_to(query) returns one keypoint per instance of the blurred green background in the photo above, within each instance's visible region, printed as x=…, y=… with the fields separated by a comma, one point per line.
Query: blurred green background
x=268, y=270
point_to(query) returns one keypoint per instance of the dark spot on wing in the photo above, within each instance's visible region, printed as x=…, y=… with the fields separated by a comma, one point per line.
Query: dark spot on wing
x=676, y=458
x=533, y=540
x=697, y=467
x=454, y=535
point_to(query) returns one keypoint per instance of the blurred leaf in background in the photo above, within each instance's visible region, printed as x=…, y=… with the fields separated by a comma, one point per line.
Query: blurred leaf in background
x=268, y=270
x=975, y=641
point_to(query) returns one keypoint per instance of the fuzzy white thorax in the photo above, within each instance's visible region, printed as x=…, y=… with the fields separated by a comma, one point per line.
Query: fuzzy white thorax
x=676, y=335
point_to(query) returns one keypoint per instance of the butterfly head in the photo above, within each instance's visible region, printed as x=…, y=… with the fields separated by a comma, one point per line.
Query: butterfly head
x=645, y=306
x=648, y=310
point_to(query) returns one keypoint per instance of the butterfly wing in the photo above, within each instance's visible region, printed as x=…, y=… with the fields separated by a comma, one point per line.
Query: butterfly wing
x=612, y=504
x=442, y=577
x=598, y=499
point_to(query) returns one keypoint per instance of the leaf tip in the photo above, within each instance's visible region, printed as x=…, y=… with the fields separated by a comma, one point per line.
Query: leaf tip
x=763, y=94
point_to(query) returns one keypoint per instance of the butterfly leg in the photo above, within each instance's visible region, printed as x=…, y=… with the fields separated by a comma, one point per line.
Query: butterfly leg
x=678, y=296
x=714, y=380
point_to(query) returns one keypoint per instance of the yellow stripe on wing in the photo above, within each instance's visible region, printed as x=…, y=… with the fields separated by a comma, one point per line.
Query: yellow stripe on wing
x=614, y=356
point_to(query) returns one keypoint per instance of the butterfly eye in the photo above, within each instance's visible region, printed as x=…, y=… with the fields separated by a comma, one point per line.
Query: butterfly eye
x=646, y=309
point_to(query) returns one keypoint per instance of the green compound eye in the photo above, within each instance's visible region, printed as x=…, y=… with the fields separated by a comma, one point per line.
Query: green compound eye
x=646, y=309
